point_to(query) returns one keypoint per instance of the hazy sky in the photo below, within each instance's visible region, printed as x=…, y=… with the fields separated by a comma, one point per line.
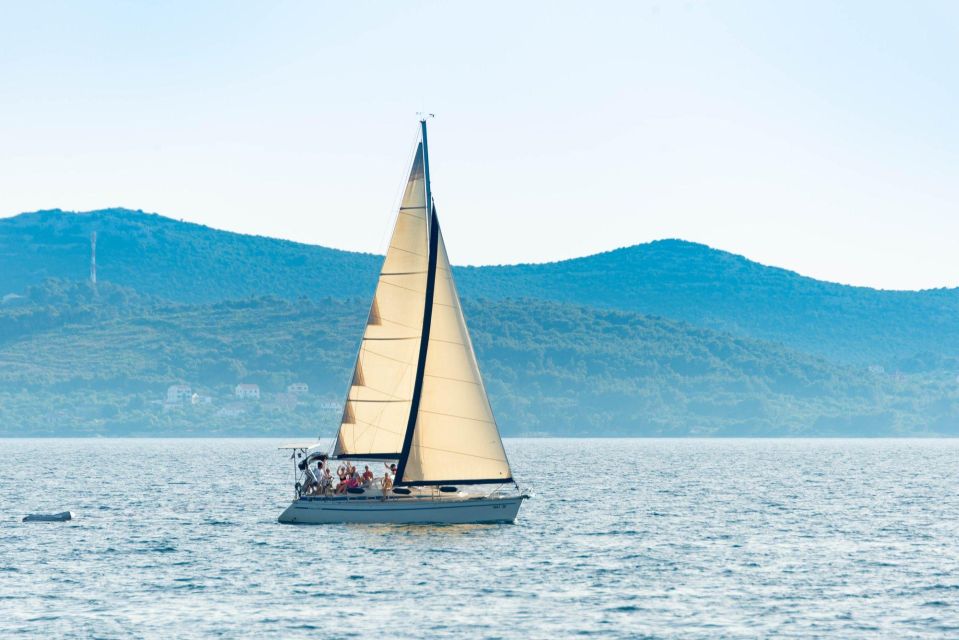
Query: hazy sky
x=821, y=137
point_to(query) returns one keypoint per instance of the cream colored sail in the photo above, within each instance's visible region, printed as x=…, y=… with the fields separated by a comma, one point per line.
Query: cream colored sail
x=377, y=407
x=455, y=438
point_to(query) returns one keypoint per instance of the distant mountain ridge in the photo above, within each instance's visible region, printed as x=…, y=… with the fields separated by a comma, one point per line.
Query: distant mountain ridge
x=674, y=279
x=174, y=260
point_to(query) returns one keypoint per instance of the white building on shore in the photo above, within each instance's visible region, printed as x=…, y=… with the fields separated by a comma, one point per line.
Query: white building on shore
x=298, y=389
x=247, y=391
x=178, y=393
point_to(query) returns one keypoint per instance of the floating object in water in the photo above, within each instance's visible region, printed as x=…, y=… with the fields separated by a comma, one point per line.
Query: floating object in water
x=63, y=516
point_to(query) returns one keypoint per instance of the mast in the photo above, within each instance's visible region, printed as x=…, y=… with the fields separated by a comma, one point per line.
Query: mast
x=433, y=232
x=426, y=173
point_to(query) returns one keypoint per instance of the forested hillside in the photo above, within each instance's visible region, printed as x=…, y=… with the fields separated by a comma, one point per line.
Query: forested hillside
x=726, y=292
x=668, y=338
x=101, y=362
x=679, y=280
x=173, y=260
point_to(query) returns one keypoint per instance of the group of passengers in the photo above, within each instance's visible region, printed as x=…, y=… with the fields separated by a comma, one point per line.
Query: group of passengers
x=320, y=482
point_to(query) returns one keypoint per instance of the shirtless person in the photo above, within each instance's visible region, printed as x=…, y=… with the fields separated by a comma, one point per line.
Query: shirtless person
x=387, y=484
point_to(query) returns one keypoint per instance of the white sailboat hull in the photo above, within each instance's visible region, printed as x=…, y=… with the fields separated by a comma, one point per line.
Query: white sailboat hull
x=310, y=510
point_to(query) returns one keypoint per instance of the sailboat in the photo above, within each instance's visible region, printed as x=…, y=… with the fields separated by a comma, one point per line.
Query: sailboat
x=416, y=399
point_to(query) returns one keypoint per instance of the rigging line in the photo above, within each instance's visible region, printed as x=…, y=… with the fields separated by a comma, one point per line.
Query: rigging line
x=389, y=395
x=378, y=427
x=386, y=357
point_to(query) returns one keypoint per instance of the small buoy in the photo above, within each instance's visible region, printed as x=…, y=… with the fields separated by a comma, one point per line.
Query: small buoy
x=63, y=516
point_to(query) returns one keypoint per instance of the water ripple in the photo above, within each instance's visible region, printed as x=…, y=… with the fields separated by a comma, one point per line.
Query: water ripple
x=702, y=539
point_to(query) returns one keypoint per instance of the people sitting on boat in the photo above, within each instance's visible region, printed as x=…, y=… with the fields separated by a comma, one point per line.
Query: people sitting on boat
x=391, y=467
x=387, y=484
x=367, y=477
x=326, y=481
x=353, y=481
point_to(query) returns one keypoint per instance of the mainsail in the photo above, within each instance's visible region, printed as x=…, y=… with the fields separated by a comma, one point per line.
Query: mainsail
x=378, y=403
x=417, y=394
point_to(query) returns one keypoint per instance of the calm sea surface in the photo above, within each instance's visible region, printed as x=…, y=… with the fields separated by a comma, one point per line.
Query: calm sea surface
x=624, y=538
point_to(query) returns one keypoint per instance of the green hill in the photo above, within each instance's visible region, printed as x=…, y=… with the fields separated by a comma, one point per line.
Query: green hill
x=164, y=258
x=722, y=291
x=667, y=338
x=75, y=361
x=173, y=260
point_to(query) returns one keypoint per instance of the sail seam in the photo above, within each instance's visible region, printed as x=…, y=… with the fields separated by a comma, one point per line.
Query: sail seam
x=391, y=321
x=453, y=415
x=418, y=255
x=399, y=286
x=460, y=453
x=433, y=375
x=461, y=344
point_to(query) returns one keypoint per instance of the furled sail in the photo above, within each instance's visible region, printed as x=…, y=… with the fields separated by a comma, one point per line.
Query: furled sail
x=377, y=406
x=454, y=438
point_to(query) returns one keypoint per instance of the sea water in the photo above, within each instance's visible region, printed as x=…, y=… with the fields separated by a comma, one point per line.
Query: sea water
x=624, y=538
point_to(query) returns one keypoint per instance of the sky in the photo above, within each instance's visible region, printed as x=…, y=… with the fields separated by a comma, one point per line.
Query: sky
x=821, y=137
